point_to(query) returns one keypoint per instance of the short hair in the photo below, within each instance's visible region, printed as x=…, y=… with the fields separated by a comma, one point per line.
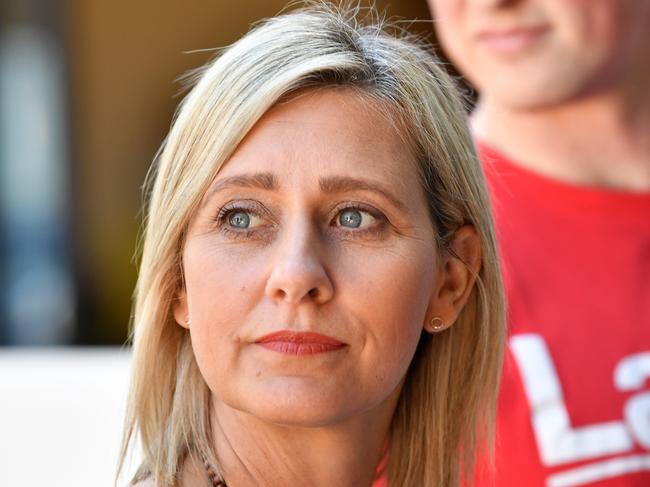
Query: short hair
x=447, y=405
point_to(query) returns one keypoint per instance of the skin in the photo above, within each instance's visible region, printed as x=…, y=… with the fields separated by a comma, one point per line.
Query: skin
x=577, y=75
x=298, y=264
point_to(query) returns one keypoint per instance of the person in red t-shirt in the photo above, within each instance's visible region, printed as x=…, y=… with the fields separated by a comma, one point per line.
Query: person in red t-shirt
x=563, y=128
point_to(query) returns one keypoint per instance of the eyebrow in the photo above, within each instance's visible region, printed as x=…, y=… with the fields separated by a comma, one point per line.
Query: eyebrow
x=264, y=180
x=343, y=184
x=329, y=185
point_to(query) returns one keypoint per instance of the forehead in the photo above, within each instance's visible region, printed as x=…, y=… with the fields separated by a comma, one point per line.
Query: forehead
x=325, y=131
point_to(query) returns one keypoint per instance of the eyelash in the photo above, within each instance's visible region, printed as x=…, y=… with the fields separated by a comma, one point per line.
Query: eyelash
x=225, y=212
x=374, y=231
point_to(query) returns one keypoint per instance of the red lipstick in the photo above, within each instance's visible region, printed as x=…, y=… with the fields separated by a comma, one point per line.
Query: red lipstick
x=299, y=343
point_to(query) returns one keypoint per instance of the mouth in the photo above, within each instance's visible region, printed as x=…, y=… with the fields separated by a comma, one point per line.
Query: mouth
x=513, y=40
x=299, y=343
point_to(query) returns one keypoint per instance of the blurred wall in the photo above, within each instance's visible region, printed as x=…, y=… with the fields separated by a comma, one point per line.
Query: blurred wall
x=38, y=299
x=124, y=57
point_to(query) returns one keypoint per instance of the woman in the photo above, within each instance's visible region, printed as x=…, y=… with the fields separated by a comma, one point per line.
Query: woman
x=319, y=301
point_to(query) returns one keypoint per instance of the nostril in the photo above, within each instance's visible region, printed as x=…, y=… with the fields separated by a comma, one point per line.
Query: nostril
x=313, y=292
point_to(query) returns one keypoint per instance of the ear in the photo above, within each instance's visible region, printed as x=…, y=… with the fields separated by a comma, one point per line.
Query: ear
x=456, y=278
x=181, y=312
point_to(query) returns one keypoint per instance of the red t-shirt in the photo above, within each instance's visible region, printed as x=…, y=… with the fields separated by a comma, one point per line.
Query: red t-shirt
x=575, y=401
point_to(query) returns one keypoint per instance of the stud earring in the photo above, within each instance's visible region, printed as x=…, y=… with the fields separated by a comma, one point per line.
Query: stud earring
x=435, y=325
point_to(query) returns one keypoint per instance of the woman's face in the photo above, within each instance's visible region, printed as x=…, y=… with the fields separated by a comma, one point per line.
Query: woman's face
x=316, y=225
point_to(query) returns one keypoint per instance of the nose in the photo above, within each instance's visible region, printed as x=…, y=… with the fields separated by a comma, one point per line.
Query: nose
x=297, y=273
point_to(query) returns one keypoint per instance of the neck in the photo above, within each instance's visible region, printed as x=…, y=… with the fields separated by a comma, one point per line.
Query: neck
x=599, y=140
x=252, y=451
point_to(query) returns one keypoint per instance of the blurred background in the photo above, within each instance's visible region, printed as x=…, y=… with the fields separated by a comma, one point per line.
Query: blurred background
x=87, y=93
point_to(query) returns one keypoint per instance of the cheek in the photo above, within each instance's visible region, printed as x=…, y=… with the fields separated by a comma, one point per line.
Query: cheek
x=450, y=27
x=447, y=10
x=220, y=286
x=219, y=280
x=602, y=39
x=594, y=26
x=390, y=295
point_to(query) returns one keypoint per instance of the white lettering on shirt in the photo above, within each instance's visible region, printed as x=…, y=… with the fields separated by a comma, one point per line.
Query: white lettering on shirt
x=558, y=442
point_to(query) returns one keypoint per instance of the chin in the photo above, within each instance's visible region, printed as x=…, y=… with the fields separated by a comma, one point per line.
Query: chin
x=288, y=404
x=534, y=92
x=526, y=99
x=538, y=85
x=298, y=417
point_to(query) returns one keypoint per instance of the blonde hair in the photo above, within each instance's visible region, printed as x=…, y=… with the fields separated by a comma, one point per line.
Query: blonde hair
x=447, y=404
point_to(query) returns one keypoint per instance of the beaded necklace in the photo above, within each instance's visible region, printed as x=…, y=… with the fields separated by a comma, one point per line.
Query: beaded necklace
x=213, y=477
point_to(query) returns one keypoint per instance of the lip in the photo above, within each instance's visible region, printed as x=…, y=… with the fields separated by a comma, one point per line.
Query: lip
x=299, y=343
x=513, y=40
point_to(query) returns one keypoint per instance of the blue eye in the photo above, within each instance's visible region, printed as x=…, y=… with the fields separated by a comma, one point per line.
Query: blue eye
x=239, y=219
x=247, y=219
x=350, y=218
x=356, y=218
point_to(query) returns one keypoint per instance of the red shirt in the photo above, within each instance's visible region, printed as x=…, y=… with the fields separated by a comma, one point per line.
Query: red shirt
x=575, y=401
